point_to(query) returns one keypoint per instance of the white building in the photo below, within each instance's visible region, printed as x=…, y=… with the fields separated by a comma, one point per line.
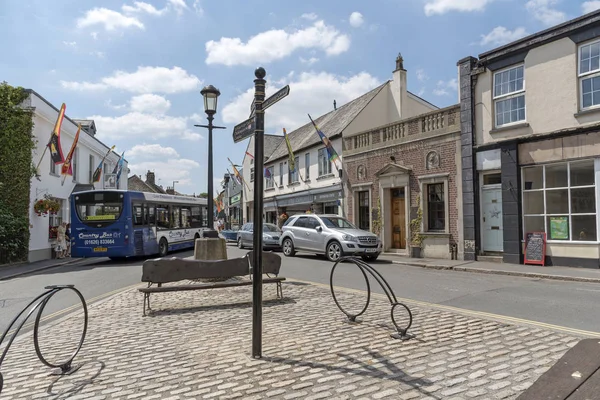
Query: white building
x=88, y=154
x=316, y=185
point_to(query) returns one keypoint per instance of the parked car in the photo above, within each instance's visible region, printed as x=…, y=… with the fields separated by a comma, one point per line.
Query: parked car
x=329, y=235
x=229, y=235
x=271, y=234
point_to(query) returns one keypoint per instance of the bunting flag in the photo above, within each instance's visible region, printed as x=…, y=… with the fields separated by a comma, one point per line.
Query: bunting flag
x=291, y=160
x=333, y=155
x=250, y=155
x=56, y=153
x=119, y=168
x=67, y=167
x=98, y=171
x=235, y=178
x=237, y=174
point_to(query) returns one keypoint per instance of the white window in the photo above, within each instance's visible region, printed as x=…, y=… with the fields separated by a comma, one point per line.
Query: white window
x=560, y=199
x=252, y=174
x=324, y=163
x=269, y=177
x=52, y=167
x=92, y=168
x=509, y=96
x=589, y=74
x=280, y=174
x=307, y=166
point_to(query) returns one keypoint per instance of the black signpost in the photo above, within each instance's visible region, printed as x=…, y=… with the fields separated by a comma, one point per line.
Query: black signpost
x=256, y=125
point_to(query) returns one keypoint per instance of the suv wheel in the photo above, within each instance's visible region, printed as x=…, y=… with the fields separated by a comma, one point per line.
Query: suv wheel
x=240, y=244
x=288, y=247
x=369, y=258
x=334, y=251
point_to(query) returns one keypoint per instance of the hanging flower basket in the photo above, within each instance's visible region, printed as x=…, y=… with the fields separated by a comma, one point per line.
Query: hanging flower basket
x=46, y=206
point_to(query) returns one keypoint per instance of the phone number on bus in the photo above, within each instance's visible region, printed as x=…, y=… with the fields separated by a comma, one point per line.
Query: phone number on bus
x=101, y=241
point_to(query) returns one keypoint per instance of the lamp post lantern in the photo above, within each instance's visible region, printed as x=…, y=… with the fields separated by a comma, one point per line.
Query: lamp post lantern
x=210, y=95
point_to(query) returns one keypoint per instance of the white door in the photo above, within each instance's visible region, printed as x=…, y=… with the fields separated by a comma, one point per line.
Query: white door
x=491, y=209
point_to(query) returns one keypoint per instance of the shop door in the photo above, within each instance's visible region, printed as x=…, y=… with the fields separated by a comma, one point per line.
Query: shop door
x=491, y=209
x=398, y=219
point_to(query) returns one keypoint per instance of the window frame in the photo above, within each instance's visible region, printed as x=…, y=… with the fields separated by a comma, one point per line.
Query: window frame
x=92, y=162
x=53, y=168
x=280, y=174
x=270, y=182
x=307, y=166
x=507, y=96
x=75, y=164
x=252, y=174
x=323, y=154
x=294, y=177
x=425, y=180
x=360, y=209
x=569, y=214
x=429, y=203
x=586, y=75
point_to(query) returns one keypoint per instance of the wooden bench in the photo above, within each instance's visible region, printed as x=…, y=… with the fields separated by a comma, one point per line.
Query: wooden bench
x=576, y=376
x=167, y=270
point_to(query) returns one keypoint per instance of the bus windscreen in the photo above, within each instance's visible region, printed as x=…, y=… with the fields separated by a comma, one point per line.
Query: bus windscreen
x=99, y=207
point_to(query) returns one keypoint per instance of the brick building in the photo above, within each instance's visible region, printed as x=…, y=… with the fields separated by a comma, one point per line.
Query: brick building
x=396, y=172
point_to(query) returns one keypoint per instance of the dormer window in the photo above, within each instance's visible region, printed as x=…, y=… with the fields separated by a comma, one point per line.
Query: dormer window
x=589, y=75
x=509, y=96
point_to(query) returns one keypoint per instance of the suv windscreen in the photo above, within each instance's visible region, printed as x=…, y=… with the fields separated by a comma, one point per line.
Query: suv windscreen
x=337, y=223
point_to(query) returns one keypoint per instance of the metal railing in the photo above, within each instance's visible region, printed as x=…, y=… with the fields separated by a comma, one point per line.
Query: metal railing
x=40, y=302
x=402, y=333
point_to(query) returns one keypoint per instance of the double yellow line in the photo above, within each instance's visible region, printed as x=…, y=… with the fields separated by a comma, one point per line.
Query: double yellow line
x=74, y=307
x=479, y=314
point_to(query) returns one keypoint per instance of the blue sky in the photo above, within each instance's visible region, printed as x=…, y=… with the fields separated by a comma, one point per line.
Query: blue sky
x=136, y=67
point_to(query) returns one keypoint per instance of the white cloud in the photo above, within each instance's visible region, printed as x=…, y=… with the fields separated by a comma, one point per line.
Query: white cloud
x=356, y=19
x=168, y=170
x=69, y=44
x=590, y=6
x=544, y=11
x=421, y=92
x=309, y=16
x=198, y=7
x=110, y=19
x=144, y=80
x=137, y=124
x=276, y=44
x=433, y=7
x=140, y=6
x=309, y=61
x=310, y=92
x=178, y=5
x=500, y=35
x=150, y=103
x=94, y=35
x=443, y=87
x=152, y=151
x=421, y=75
x=98, y=54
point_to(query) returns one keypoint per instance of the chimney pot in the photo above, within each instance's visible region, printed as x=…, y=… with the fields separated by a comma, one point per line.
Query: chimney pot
x=399, y=62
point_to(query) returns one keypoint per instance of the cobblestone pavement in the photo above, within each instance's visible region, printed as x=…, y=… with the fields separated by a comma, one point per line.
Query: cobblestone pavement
x=197, y=346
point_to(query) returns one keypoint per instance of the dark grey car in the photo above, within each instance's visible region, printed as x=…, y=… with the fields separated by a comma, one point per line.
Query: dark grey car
x=271, y=235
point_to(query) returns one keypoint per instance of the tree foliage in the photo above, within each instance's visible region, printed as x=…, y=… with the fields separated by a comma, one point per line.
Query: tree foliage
x=16, y=171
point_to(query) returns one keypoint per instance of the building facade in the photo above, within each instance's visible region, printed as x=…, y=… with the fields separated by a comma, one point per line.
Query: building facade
x=88, y=154
x=530, y=113
x=403, y=181
x=316, y=183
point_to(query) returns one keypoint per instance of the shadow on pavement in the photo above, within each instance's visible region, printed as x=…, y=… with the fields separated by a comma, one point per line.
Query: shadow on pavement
x=394, y=374
x=77, y=384
x=216, y=307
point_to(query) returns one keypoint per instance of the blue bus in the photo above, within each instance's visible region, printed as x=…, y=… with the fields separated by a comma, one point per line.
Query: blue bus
x=121, y=223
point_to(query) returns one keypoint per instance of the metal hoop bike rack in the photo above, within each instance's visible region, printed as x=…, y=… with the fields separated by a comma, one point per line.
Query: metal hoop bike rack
x=40, y=302
x=402, y=333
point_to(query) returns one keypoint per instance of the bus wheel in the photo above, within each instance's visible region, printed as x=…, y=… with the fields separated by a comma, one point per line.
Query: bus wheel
x=117, y=258
x=163, y=247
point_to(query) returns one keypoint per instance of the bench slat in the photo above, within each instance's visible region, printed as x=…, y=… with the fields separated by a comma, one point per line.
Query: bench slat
x=589, y=390
x=559, y=382
x=215, y=285
x=166, y=270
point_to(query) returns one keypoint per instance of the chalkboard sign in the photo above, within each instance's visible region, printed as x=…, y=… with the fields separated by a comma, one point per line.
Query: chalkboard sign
x=535, y=248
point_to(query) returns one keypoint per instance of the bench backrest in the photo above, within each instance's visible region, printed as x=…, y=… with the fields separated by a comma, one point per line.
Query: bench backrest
x=165, y=270
x=271, y=262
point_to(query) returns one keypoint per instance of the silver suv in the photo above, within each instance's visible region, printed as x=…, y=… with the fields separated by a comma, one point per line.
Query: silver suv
x=330, y=235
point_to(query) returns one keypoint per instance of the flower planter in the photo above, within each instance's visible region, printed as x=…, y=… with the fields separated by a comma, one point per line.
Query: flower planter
x=415, y=251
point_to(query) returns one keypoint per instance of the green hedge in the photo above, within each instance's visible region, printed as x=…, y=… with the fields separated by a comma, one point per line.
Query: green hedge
x=16, y=171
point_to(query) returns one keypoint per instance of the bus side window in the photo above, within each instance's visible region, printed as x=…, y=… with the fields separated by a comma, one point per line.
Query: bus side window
x=175, y=217
x=162, y=216
x=150, y=213
x=138, y=215
x=196, y=217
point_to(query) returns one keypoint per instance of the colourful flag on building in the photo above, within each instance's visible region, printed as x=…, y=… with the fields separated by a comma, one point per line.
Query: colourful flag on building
x=268, y=173
x=291, y=160
x=250, y=155
x=56, y=153
x=98, y=171
x=67, y=167
x=237, y=174
x=119, y=168
x=235, y=178
x=333, y=155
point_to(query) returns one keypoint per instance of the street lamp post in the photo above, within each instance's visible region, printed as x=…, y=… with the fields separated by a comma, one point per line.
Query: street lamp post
x=174, y=182
x=210, y=95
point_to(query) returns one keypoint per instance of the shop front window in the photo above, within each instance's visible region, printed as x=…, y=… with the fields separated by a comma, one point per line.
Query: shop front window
x=436, y=208
x=560, y=199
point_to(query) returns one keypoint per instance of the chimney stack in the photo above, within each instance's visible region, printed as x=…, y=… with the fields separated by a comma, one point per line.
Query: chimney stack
x=150, y=178
x=398, y=87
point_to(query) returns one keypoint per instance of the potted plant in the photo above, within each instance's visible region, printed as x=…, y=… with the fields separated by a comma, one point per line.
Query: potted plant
x=46, y=206
x=416, y=238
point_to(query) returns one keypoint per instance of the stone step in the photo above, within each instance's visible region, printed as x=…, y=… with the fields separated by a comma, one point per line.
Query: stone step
x=488, y=258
